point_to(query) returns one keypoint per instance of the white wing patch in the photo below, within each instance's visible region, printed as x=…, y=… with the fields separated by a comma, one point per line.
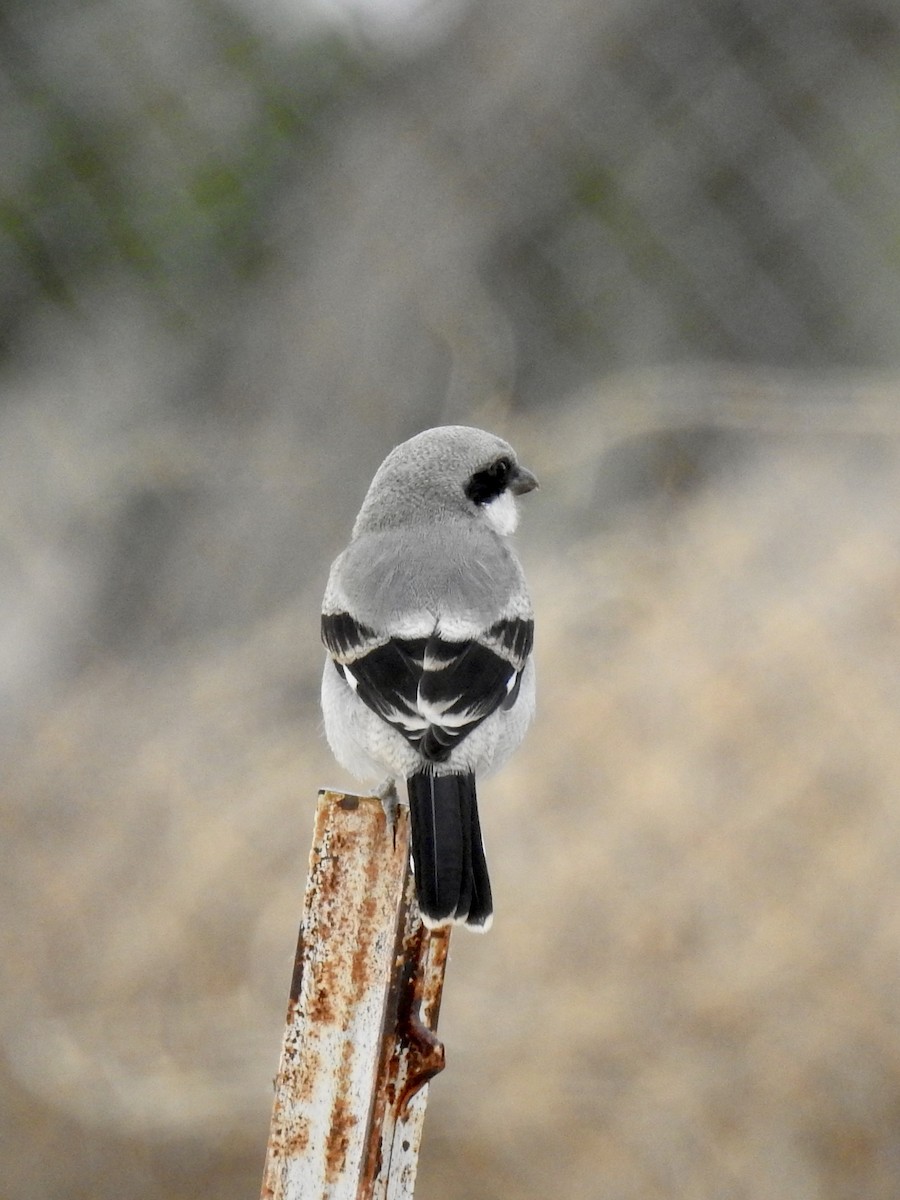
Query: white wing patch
x=433, y=689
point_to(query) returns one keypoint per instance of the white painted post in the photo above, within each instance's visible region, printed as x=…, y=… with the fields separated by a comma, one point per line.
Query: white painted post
x=359, y=1042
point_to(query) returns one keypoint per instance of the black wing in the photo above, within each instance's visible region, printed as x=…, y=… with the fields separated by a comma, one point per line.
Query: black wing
x=433, y=690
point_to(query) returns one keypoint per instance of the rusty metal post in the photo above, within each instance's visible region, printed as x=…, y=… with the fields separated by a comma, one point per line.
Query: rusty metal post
x=359, y=1042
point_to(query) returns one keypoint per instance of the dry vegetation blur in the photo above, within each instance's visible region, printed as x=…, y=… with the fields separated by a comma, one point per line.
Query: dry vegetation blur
x=244, y=250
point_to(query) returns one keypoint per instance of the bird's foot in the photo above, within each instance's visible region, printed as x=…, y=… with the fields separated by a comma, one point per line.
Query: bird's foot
x=390, y=802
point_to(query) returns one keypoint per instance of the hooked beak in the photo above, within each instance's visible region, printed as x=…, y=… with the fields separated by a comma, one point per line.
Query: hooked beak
x=522, y=481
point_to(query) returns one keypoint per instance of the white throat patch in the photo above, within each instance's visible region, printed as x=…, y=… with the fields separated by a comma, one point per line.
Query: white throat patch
x=502, y=513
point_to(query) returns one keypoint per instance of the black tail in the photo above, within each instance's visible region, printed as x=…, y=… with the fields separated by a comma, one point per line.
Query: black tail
x=451, y=874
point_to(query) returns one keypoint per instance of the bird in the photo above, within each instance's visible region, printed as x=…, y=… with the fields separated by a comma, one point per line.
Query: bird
x=428, y=627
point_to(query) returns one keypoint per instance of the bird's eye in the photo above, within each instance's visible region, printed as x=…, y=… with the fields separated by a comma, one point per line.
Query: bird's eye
x=488, y=483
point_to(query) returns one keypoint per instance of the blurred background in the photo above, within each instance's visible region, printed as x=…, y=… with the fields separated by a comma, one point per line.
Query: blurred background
x=245, y=248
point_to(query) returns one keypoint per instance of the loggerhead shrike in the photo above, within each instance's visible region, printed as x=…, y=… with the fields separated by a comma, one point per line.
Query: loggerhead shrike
x=428, y=626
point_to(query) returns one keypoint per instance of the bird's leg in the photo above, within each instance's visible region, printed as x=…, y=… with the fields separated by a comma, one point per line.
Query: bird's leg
x=390, y=802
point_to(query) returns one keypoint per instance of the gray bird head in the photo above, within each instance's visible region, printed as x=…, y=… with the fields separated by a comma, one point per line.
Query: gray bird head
x=449, y=471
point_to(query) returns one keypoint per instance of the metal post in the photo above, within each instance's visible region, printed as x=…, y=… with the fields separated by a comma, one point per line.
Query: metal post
x=359, y=1042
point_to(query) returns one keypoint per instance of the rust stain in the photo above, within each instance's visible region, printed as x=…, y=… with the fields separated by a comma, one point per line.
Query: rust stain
x=296, y=1144
x=437, y=950
x=309, y=1070
x=288, y=1141
x=343, y=1119
x=362, y=964
x=426, y=1058
x=297, y=974
x=289, y=1133
x=417, y=1012
x=342, y=1122
x=320, y=1005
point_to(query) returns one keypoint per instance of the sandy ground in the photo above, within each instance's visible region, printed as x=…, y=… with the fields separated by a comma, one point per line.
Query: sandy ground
x=690, y=987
